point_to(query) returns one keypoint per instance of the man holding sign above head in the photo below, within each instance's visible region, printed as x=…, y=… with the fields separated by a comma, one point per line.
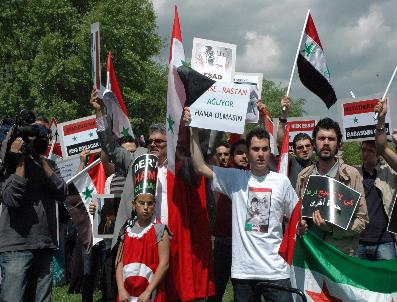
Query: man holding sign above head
x=260, y=199
x=327, y=139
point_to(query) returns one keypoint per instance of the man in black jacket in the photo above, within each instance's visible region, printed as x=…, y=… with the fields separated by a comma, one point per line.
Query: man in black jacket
x=28, y=221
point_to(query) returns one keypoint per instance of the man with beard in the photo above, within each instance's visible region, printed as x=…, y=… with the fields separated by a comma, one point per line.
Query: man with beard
x=302, y=144
x=239, y=155
x=222, y=153
x=327, y=139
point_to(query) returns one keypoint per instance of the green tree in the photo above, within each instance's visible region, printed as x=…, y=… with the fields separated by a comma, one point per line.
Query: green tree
x=46, y=51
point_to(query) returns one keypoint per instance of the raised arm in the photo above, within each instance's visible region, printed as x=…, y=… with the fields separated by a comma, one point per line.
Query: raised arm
x=285, y=103
x=381, y=137
x=199, y=165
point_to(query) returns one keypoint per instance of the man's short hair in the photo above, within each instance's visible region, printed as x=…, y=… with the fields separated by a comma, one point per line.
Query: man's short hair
x=300, y=136
x=42, y=118
x=223, y=144
x=328, y=124
x=258, y=132
x=369, y=142
x=239, y=142
x=127, y=139
x=158, y=128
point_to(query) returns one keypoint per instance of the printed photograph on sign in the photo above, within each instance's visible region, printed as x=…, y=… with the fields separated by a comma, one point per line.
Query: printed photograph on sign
x=258, y=209
x=77, y=135
x=357, y=117
x=216, y=60
x=255, y=80
x=105, y=216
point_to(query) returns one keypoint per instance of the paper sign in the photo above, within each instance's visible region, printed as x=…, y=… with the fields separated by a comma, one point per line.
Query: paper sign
x=216, y=60
x=105, y=215
x=221, y=108
x=392, y=227
x=77, y=135
x=358, y=123
x=335, y=201
x=68, y=167
x=95, y=56
x=254, y=79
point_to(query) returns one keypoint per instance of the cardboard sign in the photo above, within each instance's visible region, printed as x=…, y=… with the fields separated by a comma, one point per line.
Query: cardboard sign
x=77, y=135
x=95, y=56
x=216, y=60
x=335, y=201
x=358, y=123
x=392, y=227
x=68, y=167
x=254, y=79
x=145, y=174
x=105, y=215
x=223, y=107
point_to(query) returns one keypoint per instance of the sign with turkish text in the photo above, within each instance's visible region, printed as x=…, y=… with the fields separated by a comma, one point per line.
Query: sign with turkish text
x=77, y=135
x=68, y=167
x=95, y=56
x=216, y=60
x=145, y=174
x=335, y=201
x=255, y=80
x=223, y=107
x=358, y=123
x=105, y=215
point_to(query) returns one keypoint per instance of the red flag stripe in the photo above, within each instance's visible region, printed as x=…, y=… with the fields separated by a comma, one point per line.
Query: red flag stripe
x=311, y=31
x=114, y=83
x=176, y=32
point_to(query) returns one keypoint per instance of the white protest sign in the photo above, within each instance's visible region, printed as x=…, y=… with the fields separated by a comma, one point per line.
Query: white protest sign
x=95, y=56
x=216, y=60
x=254, y=79
x=358, y=123
x=77, y=135
x=68, y=167
x=223, y=107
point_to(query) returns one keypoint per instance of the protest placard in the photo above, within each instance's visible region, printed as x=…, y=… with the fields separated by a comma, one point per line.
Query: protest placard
x=95, y=56
x=358, y=123
x=216, y=60
x=335, y=201
x=105, y=215
x=77, y=135
x=254, y=79
x=392, y=226
x=221, y=108
x=68, y=167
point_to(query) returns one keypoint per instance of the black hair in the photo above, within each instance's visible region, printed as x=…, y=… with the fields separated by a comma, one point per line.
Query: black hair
x=328, y=124
x=224, y=144
x=239, y=142
x=259, y=133
x=127, y=139
x=42, y=118
x=300, y=136
x=369, y=142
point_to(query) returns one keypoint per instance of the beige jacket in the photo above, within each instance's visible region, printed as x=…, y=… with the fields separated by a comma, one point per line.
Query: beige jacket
x=346, y=241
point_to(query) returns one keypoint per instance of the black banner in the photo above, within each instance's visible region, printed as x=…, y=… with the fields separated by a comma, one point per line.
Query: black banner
x=77, y=148
x=335, y=201
x=367, y=131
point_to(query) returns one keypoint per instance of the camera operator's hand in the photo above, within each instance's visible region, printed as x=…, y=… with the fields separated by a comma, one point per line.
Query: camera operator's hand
x=42, y=160
x=96, y=103
x=16, y=145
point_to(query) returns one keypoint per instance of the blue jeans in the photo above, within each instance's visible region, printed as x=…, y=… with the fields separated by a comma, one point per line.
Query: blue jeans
x=382, y=251
x=26, y=275
x=244, y=291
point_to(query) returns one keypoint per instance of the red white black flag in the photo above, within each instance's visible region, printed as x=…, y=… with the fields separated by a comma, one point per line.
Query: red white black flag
x=312, y=66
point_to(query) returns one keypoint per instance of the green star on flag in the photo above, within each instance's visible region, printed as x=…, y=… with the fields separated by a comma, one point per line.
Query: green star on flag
x=87, y=193
x=327, y=73
x=90, y=134
x=355, y=120
x=74, y=138
x=125, y=132
x=309, y=49
x=171, y=123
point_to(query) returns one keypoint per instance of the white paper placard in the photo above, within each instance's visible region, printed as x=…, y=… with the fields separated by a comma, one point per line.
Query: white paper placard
x=68, y=167
x=77, y=135
x=216, y=60
x=223, y=107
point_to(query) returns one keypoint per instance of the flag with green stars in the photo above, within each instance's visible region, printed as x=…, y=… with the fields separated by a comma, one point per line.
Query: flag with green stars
x=312, y=66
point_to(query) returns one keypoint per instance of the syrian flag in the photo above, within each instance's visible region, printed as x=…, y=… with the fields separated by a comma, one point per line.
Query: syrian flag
x=324, y=273
x=312, y=66
x=283, y=161
x=190, y=273
x=270, y=129
x=115, y=104
x=287, y=246
x=88, y=182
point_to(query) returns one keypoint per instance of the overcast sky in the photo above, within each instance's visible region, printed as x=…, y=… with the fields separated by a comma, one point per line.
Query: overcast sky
x=359, y=38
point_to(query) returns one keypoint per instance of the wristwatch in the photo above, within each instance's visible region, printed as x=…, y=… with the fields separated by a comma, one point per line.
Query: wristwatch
x=380, y=129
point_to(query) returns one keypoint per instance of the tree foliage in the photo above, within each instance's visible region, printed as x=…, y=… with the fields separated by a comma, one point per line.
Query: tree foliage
x=45, y=46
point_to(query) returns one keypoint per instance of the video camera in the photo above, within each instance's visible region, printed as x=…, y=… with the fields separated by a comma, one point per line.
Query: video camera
x=21, y=126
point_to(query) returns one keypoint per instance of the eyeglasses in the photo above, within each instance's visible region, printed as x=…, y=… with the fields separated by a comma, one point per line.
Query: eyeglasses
x=156, y=141
x=301, y=147
x=143, y=203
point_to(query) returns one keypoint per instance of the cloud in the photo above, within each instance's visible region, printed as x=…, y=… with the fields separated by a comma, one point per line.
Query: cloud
x=261, y=53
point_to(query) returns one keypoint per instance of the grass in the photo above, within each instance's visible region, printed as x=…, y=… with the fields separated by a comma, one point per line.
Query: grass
x=60, y=294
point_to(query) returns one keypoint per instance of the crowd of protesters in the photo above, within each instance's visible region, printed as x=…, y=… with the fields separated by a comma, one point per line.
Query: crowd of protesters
x=248, y=206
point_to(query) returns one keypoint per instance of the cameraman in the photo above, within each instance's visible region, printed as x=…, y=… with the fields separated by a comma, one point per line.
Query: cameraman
x=29, y=191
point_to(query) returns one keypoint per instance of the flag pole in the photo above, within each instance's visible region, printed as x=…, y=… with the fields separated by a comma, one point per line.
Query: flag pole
x=296, y=56
x=387, y=90
x=93, y=164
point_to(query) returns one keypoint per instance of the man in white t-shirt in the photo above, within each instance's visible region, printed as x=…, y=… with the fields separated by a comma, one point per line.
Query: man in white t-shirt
x=260, y=199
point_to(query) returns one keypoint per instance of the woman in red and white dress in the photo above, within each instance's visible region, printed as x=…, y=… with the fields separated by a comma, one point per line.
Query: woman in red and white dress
x=143, y=255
